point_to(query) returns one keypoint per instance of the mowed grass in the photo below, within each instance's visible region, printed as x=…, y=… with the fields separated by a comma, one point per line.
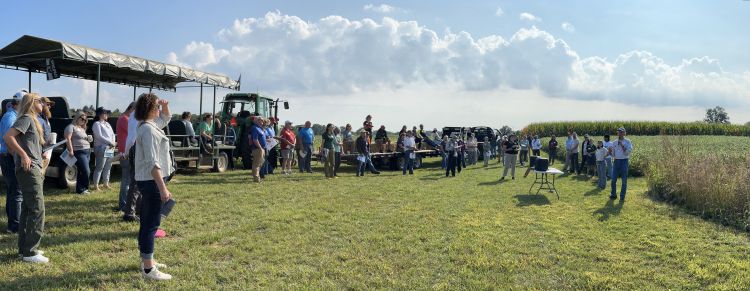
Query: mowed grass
x=387, y=231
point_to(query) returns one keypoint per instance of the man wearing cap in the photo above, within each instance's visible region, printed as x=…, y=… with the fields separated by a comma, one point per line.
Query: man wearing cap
x=620, y=150
x=13, y=198
x=288, y=140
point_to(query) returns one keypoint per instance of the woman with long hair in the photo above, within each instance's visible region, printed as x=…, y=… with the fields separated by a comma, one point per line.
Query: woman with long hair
x=80, y=146
x=329, y=138
x=152, y=167
x=104, y=147
x=25, y=139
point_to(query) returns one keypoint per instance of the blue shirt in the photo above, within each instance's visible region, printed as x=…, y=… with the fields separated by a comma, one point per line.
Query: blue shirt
x=9, y=118
x=258, y=134
x=47, y=129
x=307, y=135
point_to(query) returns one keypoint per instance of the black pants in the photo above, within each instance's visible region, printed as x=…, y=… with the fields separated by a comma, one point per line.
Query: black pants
x=552, y=157
x=451, y=167
x=535, y=152
x=133, y=199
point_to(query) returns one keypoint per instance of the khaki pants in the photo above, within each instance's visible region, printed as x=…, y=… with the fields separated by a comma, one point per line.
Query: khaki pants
x=258, y=157
x=509, y=164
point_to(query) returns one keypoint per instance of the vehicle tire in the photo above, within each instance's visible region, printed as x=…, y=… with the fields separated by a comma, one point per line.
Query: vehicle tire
x=221, y=162
x=66, y=177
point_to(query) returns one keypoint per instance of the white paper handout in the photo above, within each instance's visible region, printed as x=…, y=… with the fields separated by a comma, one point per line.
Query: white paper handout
x=271, y=143
x=68, y=158
x=110, y=152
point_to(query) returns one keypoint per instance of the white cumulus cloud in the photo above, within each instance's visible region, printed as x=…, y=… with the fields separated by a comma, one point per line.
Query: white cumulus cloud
x=529, y=17
x=340, y=56
x=382, y=8
x=499, y=11
x=568, y=27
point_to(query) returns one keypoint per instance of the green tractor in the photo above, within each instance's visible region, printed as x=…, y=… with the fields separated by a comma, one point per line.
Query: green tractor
x=236, y=108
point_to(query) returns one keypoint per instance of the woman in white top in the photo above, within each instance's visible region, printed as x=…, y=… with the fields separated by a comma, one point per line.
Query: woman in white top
x=152, y=166
x=104, y=147
x=472, y=149
x=409, y=146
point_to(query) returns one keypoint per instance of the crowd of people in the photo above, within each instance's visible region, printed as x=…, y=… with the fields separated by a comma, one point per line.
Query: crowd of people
x=143, y=151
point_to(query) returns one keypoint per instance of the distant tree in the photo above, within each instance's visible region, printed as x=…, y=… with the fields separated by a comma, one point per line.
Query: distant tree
x=747, y=123
x=506, y=130
x=716, y=115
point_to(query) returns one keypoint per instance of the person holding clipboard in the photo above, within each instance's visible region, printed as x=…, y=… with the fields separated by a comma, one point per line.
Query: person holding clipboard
x=620, y=150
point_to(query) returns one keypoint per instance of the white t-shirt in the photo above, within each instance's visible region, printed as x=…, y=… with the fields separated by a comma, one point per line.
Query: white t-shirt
x=409, y=143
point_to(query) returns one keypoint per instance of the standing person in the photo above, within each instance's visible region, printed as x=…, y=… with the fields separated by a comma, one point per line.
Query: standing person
x=461, y=153
x=449, y=147
x=273, y=153
x=524, y=149
x=487, y=148
x=367, y=126
x=288, y=140
x=25, y=139
x=608, y=159
x=552, y=147
x=125, y=163
x=444, y=152
x=104, y=147
x=536, y=146
x=298, y=150
x=584, y=153
x=14, y=197
x=152, y=166
x=511, y=147
x=568, y=145
x=308, y=137
x=133, y=198
x=44, y=117
x=589, y=151
x=381, y=139
x=420, y=135
x=348, y=139
x=409, y=146
x=364, y=159
x=258, y=145
x=327, y=151
x=601, y=153
x=572, y=150
x=337, y=145
x=620, y=150
x=80, y=146
x=472, y=149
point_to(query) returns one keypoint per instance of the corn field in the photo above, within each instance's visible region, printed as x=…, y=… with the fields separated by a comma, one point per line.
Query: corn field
x=560, y=128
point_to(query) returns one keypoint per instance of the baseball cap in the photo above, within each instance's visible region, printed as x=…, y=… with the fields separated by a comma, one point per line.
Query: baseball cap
x=621, y=129
x=20, y=94
x=288, y=122
x=101, y=110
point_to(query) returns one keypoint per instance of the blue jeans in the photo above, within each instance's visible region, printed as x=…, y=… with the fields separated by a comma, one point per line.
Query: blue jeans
x=102, y=167
x=13, y=198
x=608, y=162
x=307, y=158
x=601, y=169
x=620, y=171
x=452, y=160
x=444, y=162
x=366, y=164
x=83, y=169
x=150, y=217
x=124, y=183
x=408, y=163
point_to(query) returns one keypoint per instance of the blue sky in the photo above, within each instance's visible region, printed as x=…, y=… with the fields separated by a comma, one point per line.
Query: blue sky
x=592, y=62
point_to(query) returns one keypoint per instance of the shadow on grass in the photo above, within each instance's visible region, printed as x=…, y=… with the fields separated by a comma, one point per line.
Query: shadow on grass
x=493, y=182
x=610, y=209
x=529, y=199
x=593, y=192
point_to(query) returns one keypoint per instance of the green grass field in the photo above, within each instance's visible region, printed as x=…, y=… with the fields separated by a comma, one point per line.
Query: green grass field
x=387, y=231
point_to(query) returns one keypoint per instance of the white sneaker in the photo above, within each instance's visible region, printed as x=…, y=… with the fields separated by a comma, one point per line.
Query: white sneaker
x=155, y=274
x=39, y=259
x=38, y=252
x=157, y=265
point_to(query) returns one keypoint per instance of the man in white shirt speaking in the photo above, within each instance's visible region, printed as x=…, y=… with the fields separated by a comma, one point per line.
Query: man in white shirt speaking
x=620, y=150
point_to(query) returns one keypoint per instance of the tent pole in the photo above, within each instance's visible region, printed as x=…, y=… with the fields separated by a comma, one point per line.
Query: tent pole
x=98, y=78
x=214, y=109
x=200, y=106
x=29, y=80
x=134, y=93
